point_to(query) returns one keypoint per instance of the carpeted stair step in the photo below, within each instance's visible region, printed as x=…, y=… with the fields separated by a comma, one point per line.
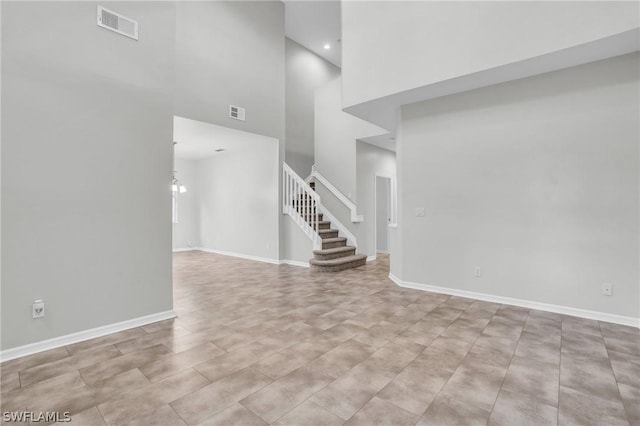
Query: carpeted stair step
x=328, y=243
x=334, y=253
x=328, y=233
x=339, y=264
x=324, y=224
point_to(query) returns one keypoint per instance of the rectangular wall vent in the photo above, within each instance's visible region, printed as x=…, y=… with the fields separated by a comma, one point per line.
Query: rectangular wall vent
x=236, y=112
x=118, y=23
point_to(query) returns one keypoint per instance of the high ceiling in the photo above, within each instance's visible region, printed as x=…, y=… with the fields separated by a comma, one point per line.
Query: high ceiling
x=315, y=24
x=197, y=140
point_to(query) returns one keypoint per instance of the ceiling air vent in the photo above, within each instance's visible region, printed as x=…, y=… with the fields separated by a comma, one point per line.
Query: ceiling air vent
x=236, y=112
x=118, y=23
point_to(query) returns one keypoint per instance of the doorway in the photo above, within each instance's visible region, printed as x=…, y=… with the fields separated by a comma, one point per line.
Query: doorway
x=383, y=213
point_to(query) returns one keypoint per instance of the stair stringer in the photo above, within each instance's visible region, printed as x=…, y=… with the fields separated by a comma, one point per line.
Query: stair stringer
x=336, y=224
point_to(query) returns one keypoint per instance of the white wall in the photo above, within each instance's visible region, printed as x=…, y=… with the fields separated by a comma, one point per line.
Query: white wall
x=335, y=138
x=237, y=194
x=86, y=167
x=230, y=52
x=186, y=233
x=390, y=47
x=305, y=71
x=371, y=160
x=297, y=245
x=535, y=181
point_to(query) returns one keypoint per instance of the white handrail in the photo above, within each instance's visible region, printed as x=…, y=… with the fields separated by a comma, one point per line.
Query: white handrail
x=301, y=202
x=315, y=174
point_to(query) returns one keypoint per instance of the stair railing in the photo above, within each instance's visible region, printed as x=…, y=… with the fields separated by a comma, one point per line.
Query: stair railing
x=301, y=202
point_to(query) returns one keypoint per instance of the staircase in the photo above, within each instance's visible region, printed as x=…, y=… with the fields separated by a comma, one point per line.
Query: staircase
x=335, y=255
x=332, y=254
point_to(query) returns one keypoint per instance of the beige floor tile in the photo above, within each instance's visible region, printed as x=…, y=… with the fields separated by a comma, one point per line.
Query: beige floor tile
x=282, y=363
x=234, y=415
x=61, y=366
x=585, y=346
x=276, y=399
x=577, y=408
x=43, y=390
x=476, y=384
x=234, y=361
x=109, y=339
x=111, y=367
x=9, y=383
x=79, y=400
x=304, y=347
x=448, y=410
x=24, y=363
x=88, y=417
x=493, y=350
x=631, y=400
x=173, y=363
x=143, y=401
x=215, y=397
x=626, y=345
x=538, y=380
x=343, y=405
x=380, y=412
x=309, y=413
x=163, y=416
x=592, y=377
x=532, y=346
x=626, y=368
x=163, y=336
x=518, y=409
x=416, y=386
x=342, y=358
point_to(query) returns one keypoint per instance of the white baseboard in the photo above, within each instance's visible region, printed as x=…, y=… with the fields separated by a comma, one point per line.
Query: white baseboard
x=371, y=258
x=179, y=250
x=69, y=339
x=256, y=258
x=558, y=309
x=240, y=255
x=383, y=251
x=294, y=263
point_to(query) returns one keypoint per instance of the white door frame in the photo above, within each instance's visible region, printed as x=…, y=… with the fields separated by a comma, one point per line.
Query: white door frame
x=392, y=205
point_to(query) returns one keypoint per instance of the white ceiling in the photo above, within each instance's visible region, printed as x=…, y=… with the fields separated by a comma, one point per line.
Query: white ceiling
x=197, y=140
x=314, y=24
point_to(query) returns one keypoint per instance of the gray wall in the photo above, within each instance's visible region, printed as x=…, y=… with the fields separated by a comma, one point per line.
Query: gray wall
x=186, y=233
x=237, y=198
x=86, y=167
x=335, y=138
x=230, y=52
x=535, y=181
x=305, y=72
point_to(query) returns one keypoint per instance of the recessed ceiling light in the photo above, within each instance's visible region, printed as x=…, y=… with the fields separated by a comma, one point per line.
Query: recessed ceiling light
x=327, y=46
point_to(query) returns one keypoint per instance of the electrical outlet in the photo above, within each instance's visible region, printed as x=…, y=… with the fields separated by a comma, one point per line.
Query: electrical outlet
x=478, y=272
x=38, y=309
x=607, y=289
x=420, y=212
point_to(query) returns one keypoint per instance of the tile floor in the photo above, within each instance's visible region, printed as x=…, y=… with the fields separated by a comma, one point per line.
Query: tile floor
x=258, y=344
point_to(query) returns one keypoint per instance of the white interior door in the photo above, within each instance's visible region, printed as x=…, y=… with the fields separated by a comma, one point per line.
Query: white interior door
x=383, y=213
